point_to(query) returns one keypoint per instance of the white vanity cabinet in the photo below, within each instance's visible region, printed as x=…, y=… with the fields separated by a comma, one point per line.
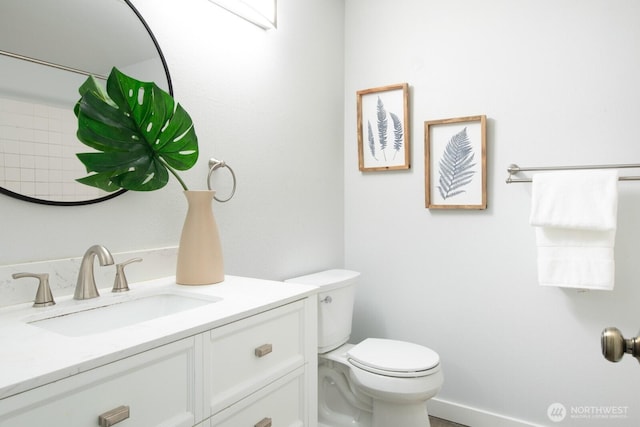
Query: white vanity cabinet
x=281, y=403
x=157, y=386
x=254, y=370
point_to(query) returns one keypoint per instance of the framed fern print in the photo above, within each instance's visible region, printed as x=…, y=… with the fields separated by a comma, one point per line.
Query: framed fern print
x=383, y=128
x=456, y=163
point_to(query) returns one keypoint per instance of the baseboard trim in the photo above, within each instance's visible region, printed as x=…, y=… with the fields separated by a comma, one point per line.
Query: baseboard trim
x=473, y=417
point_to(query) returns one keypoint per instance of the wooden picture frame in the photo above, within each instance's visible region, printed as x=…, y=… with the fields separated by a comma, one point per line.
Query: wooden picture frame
x=456, y=163
x=383, y=128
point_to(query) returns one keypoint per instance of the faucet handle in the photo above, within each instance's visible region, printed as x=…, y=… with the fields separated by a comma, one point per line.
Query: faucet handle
x=120, y=283
x=44, y=298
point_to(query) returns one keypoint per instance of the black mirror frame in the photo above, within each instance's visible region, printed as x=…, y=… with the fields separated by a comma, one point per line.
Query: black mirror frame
x=117, y=193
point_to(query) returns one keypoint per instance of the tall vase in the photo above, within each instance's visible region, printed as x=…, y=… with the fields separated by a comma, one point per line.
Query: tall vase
x=200, y=253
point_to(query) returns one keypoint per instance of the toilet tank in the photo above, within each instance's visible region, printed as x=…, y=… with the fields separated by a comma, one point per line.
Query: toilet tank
x=335, y=305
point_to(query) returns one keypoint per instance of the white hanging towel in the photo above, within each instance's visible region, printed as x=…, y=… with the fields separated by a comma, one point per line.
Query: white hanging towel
x=575, y=215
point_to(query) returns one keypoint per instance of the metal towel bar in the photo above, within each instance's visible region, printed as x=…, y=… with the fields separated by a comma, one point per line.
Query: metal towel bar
x=51, y=64
x=514, y=169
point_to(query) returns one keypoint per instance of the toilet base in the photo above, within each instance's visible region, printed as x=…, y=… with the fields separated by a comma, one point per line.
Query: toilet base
x=343, y=402
x=387, y=414
x=338, y=406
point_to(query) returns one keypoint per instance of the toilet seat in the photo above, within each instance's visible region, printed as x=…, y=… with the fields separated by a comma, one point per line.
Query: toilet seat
x=393, y=358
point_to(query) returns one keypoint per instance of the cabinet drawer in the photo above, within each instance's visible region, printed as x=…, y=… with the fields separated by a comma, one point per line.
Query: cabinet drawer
x=157, y=386
x=280, y=404
x=249, y=354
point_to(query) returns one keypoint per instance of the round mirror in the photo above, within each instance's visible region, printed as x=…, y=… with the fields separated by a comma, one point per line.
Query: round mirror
x=47, y=50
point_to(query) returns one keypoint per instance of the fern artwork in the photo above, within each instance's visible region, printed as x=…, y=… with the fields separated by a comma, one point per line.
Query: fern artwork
x=382, y=123
x=382, y=134
x=455, y=163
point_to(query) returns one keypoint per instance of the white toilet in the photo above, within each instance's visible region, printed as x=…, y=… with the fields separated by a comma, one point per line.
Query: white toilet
x=376, y=383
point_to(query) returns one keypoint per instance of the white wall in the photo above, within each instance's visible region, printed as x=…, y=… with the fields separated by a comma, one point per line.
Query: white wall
x=558, y=81
x=270, y=104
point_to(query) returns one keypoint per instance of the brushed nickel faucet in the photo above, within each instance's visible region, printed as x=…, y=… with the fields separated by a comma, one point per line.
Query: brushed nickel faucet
x=120, y=284
x=86, y=284
x=44, y=298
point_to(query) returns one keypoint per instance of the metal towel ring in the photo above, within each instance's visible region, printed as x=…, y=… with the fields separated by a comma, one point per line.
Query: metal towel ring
x=215, y=164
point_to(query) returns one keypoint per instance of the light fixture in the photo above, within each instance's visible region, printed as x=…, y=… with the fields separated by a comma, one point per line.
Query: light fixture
x=262, y=13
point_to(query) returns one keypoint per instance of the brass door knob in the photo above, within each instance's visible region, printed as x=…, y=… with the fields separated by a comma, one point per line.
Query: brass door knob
x=614, y=345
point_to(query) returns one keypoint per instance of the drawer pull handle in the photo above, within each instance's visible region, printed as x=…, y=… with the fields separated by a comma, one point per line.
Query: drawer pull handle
x=265, y=422
x=261, y=351
x=113, y=416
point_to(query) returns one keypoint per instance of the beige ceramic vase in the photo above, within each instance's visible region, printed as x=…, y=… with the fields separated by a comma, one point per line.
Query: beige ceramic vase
x=200, y=253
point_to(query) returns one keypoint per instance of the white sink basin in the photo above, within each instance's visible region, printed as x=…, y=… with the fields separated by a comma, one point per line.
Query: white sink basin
x=119, y=314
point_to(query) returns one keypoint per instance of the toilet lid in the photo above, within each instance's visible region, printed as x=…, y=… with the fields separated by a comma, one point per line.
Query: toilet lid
x=393, y=358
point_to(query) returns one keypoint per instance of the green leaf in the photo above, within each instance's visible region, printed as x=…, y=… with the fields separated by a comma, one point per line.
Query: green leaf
x=138, y=131
x=100, y=180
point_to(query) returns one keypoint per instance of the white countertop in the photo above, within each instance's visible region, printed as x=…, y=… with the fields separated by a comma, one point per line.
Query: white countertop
x=31, y=356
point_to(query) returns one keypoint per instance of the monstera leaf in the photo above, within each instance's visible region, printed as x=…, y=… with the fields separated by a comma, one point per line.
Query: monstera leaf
x=138, y=131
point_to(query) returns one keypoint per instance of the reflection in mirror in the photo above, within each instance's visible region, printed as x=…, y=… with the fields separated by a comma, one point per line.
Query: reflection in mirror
x=262, y=13
x=49, y=49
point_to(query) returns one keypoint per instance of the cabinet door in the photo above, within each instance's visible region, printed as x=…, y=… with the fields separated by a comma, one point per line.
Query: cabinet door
x=246, y=355
x=157, y=386
x=280, y=404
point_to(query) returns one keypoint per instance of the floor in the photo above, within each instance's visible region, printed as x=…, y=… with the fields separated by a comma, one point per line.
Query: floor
x=439, y=422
